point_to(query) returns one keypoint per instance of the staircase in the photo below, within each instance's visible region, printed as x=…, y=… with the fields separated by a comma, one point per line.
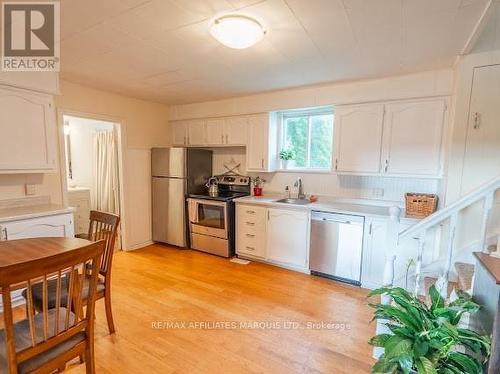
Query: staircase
x=465, y=275
x=449, y=215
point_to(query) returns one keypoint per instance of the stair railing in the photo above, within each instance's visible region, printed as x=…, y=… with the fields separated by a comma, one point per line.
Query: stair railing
x=486, y=192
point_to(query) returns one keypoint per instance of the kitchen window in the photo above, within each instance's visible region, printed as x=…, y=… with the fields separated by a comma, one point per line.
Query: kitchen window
x=307, y=139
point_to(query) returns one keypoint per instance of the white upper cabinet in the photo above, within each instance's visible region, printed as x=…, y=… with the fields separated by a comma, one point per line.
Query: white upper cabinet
x=196, y=132
x=215, y=131
x=179, y=133
x=211, y=132
x=287, y=237
x=226, y=131
x=235, y=131
x=28, y=128
x=261, y=144
x=391, y=139
x=413, y=137
x=358, y=138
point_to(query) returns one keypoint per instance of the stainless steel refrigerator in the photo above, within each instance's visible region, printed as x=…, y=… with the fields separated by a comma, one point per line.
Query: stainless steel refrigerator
x=176, y=172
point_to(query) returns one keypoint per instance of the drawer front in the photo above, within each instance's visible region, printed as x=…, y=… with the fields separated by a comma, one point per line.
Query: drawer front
x=251, y=245
x=251, y=230
x=252, y=213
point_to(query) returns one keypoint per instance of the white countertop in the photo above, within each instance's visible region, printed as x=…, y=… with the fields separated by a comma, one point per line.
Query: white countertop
x=325, y=205
x=34, y=211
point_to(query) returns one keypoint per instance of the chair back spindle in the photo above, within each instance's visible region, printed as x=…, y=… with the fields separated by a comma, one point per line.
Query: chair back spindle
x=104, y=226
x=27, y=340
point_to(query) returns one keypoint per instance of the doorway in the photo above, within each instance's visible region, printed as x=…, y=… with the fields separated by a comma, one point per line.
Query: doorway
x=91, y=148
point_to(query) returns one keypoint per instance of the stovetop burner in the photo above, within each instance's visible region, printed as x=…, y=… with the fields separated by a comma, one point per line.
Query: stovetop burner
x=222, y=196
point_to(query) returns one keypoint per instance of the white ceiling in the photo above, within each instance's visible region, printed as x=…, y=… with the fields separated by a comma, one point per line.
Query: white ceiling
x=161, y=50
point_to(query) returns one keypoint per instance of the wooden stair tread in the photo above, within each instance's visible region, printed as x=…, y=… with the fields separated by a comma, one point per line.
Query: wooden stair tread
x=465, y=274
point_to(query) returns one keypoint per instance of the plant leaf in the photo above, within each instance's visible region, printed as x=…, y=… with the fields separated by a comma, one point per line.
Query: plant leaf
x=420, y=348
x=379, y=340
x=384, y=366
x=401, y=331
x=397, y=346
x=468, y=364
x=425, y=366
x=405, y=363
x=395, y=314
x=436, y=300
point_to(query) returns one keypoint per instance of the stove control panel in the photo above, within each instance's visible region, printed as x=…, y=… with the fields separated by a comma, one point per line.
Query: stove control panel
x=237, y=180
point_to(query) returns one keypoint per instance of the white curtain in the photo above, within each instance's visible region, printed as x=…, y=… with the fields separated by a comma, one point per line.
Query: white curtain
x=106, y=179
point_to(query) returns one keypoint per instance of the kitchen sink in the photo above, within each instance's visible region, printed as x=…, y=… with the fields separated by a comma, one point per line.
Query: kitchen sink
x=294, y=201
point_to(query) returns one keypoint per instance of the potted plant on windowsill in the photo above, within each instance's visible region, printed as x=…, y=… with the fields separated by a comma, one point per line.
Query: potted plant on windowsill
x=427, y=339
x=287, y=157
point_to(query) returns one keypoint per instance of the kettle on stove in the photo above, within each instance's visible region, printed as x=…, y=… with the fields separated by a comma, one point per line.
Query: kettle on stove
x=213, y=186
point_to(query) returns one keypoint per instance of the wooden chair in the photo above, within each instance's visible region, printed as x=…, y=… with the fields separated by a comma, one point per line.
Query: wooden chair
x=46, y=341
x=103, y=226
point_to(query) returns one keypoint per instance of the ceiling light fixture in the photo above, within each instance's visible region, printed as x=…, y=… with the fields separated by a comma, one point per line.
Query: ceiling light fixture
x=237, y=31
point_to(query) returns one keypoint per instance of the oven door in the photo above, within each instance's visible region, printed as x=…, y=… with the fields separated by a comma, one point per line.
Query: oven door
x=208, y=217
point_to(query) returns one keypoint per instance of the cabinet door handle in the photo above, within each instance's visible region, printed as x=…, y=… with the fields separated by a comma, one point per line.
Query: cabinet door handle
x=227, y=141
x=370, y=229
x=262, y=163
x=386, y=167
x=336, y=164
x=250, y=236
x=250, y=223
x=250, y=248
x=477, y=120
x=251, y=211
x=222, y=139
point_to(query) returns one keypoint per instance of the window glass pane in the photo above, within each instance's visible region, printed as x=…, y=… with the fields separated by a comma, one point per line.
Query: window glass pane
x=321, y=141
x=296, y=134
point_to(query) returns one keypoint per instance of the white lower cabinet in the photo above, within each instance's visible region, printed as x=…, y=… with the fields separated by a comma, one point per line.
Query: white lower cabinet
x=279, y=236
x=80, y=201
x=372, y=272
x=288, y=237
x=251, y=231
x=59, y=225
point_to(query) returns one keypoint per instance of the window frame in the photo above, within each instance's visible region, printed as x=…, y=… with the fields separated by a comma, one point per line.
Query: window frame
x=305, y=112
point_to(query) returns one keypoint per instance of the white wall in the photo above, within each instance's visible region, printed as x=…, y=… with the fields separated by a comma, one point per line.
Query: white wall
x=434, y=83
x=431, y=83
x=144, y=125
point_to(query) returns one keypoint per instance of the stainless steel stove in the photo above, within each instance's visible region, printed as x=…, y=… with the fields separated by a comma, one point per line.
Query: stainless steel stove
x=212, y=217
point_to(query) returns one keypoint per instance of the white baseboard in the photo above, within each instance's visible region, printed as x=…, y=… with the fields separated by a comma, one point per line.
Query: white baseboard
x=139, y=245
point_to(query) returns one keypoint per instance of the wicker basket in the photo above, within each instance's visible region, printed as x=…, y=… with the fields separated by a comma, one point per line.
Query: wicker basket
x=420, y=205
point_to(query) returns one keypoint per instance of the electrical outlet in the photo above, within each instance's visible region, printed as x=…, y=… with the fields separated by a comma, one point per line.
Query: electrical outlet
x=30, y=189
x=379, y=192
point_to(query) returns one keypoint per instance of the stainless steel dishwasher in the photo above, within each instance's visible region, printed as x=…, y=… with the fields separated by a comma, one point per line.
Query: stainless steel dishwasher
x=336, y=246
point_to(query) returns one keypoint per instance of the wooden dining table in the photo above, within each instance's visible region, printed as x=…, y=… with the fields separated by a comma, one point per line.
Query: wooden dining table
x=25, y=250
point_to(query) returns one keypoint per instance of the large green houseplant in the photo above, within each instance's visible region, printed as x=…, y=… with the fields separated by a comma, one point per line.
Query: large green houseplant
x=427, y=339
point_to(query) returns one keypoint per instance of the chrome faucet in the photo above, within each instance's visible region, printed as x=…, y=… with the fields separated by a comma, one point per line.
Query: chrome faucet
x=300, y=192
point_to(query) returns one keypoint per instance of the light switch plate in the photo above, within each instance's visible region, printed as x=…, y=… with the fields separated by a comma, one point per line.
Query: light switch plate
x=30, y=189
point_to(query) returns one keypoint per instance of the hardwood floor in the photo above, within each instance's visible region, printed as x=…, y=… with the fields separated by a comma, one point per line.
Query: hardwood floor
x=159, y=283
